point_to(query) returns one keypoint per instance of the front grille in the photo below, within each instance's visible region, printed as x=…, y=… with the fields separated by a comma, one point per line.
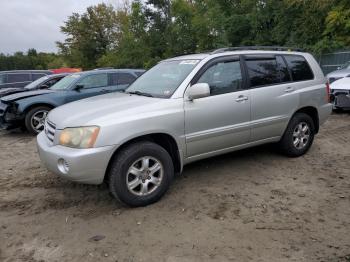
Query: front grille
x=50, y=129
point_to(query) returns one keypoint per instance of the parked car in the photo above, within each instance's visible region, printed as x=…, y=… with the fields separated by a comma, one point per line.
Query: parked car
x=340, y=94
x=185, y=109
x=29, y=109
x=42, y=83
x=341, y=72
x=20, y=78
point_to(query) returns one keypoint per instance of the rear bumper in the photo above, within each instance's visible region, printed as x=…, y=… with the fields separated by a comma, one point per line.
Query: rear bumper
x=324, y=112
x=85, y=165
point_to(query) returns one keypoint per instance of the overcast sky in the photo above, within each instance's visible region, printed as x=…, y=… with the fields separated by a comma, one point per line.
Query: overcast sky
x=35, y=24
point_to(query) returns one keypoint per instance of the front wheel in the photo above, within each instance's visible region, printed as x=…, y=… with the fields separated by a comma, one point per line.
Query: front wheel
x=298, y=136
x=35, y=119
x=141, y=174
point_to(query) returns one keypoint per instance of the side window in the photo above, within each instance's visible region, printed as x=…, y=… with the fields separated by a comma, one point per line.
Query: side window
x=299, y=68
x=113, y=79
x=37, y=76
x=14, y=78
x=223, y=77
x=96, y=80
x=125, y=78
x=263, y=71
x=2, y=79
x=283, y=69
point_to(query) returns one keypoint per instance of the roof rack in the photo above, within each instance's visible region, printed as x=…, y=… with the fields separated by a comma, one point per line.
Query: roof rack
x=269, y=48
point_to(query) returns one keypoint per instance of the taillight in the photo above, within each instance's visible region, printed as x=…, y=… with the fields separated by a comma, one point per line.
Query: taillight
x=328, y=90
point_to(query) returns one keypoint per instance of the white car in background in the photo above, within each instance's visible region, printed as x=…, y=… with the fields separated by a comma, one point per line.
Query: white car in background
x=341, y=72
x=340, y=93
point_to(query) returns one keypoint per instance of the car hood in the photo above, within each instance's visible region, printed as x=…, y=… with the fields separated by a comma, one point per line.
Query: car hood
x=9, y=91
x=21, y=95
x=341, y=84
x=99, y=110
x=339, y=73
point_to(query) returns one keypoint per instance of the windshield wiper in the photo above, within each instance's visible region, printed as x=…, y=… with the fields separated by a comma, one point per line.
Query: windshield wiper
x=139, y=93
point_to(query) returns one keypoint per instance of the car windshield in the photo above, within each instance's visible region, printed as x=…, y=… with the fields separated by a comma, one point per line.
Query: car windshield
x=65, y=82
x=36, y=83
x=163, y=79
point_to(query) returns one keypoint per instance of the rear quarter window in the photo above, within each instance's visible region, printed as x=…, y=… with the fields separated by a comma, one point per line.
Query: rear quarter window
x=299, y=68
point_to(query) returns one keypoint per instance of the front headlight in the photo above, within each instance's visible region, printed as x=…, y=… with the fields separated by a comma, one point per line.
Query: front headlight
x=79, y=137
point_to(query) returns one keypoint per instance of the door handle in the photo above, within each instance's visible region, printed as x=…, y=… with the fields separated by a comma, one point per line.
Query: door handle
x=241, y=98
x=289, y=89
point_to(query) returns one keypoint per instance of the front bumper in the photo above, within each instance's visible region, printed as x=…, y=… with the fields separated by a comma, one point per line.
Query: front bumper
x=8, y=120
x=86, y=166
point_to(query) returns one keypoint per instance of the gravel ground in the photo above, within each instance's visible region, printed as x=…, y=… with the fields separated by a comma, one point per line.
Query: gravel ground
x=251, y=205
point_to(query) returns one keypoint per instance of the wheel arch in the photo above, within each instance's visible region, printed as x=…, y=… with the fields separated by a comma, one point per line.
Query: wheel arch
x=30, y=107
x=165, y=140
x=313, y=113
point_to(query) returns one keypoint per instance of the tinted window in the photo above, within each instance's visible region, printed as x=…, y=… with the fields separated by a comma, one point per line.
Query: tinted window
x=96, y=80
x=37, y=76
x=283, y=69
x=13, y=78
x=299, y=68
x=125, y=79
x=114, y=79
x=263, y=71
x=2, y=79
x=223, y=77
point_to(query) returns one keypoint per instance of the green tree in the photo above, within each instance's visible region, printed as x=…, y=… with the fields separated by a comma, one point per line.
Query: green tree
x=89, y=36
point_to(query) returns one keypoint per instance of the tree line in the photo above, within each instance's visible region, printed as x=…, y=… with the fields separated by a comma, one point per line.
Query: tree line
x=140, y=33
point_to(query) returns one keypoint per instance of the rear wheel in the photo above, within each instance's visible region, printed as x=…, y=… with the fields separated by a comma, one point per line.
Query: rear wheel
x=298, y=136
x=140, y=174
x=35, y=119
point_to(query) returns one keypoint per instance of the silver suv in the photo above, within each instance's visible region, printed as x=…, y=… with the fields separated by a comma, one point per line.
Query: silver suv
x=185, y=109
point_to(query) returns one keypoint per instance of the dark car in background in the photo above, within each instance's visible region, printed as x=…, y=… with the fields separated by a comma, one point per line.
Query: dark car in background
x=20, y=78
x=29, y=109
x=44, y=82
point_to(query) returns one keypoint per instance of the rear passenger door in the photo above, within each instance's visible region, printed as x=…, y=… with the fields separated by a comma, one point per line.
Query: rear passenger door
x=220, y=121
x=274, y=96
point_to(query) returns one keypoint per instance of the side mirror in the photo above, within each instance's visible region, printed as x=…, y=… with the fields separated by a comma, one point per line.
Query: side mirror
x=78, y=87
x=198, y=90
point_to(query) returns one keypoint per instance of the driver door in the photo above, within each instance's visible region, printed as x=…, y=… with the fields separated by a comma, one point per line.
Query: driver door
x=222, y=120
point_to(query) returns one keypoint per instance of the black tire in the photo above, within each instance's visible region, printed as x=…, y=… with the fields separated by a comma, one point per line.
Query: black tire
x=118, y=173
x=29, y=116
x=286, y=144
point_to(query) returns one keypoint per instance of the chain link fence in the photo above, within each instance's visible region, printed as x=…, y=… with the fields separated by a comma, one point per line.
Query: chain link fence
x=332, y=61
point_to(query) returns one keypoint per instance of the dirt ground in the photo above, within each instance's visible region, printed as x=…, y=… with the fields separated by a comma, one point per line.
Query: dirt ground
x=252, y=205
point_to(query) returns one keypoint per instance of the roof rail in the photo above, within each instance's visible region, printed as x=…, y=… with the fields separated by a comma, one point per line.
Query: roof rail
x=270, y=48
